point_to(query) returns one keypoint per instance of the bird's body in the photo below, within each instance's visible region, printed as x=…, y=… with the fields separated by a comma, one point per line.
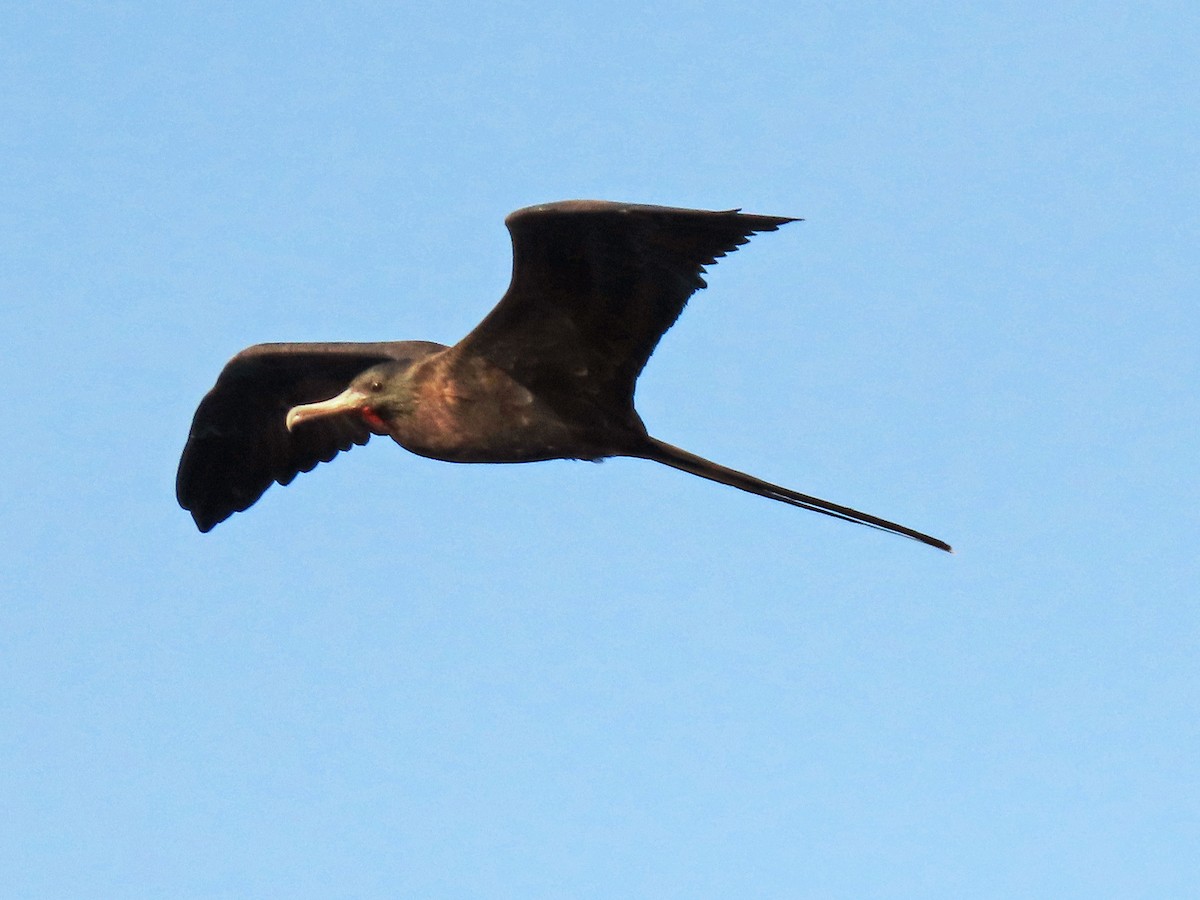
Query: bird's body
x=548, y=374
x=471, y=411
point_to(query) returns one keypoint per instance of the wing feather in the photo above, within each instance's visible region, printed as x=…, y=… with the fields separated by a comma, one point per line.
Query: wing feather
x=239, y=446
x=595, y=285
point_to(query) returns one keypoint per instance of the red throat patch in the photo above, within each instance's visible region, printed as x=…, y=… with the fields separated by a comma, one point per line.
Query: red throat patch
x=372, y=418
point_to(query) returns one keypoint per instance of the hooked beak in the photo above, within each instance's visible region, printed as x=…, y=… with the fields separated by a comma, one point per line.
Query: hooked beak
x=349, y=400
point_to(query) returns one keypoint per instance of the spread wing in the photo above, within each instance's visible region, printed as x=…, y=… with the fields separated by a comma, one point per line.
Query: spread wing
x=239, y=446
x=595, y=285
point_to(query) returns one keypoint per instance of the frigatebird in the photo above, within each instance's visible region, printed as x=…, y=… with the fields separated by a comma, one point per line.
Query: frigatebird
x=548, y=374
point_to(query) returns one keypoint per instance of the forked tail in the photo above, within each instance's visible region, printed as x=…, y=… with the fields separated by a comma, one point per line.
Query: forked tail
x=688, y=462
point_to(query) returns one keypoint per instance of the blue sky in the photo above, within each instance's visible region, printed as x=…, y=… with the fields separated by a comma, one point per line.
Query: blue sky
x=397, y=677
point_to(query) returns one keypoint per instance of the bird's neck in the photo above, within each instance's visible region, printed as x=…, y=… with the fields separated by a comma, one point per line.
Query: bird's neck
x=403, y=395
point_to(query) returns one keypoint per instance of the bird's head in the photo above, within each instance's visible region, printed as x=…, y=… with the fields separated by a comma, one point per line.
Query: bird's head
x=378, y=395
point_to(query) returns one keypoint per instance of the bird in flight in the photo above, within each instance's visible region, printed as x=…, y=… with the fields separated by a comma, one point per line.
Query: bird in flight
x=548, y=374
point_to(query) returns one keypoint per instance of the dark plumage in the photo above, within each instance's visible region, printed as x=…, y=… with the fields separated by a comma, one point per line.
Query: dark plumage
x=548, y=374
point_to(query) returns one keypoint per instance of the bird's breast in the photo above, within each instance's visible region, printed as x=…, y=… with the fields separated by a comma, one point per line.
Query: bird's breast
x=478, y=413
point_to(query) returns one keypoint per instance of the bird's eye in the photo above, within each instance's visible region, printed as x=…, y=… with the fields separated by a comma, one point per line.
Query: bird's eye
x=376, y=387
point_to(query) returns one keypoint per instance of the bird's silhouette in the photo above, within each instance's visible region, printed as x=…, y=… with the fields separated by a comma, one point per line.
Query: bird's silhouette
x=548, y=374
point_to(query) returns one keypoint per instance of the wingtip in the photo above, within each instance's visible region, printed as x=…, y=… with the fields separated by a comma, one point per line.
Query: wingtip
x=769, y=223
x=205, y=522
